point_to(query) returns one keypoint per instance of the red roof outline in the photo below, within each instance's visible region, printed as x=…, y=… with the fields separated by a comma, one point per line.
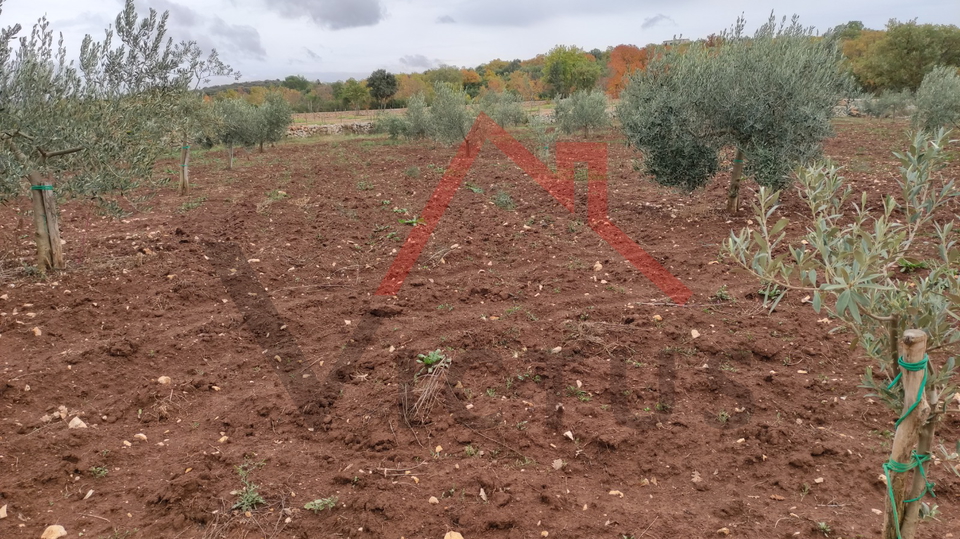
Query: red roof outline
x=560, y=187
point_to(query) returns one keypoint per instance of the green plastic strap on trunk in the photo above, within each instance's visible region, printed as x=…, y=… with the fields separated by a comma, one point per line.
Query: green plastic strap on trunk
x=916, y=460
x=41, y=187
x=738, y=160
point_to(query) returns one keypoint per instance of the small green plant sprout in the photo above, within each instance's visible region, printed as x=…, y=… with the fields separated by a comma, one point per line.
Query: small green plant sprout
x=721, y=294
x=911, y=265
x=824, y=528
x=579, y=393
x=474, y=187
x=99, y=471
x=412, y=172
x=248, y=497
x=470, y=451
x=413, y=222
x=277, y=194
x=504, y=201
x=321, y=504
x=432, y=361
x=723, y=417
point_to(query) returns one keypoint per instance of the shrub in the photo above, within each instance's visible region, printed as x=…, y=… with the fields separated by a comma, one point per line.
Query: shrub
x=417, y=117
x=583, y=110
x=395, y=126
x=889, y=104
x=504, y=108
x=450, y=119
x=938, y=99
x=544, y=137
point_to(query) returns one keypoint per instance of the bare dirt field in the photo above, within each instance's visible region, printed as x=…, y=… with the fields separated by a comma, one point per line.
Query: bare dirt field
x=577, y=404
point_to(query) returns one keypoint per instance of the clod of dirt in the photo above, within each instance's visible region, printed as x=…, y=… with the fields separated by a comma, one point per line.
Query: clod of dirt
x=164, y=380
x=657, y=318
x=616, y=493
x=76, y=423
x=54, y=532
x=453, y=535
x=557, y=464
x=598, y=266
x=37, y=332
x=433, y=500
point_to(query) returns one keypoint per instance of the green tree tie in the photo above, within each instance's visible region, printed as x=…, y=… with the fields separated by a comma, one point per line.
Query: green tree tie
x=916, y=460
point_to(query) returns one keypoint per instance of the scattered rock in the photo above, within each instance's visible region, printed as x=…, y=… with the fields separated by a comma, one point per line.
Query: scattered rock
x=556, y=350
x=453, y=535
x=54, y=532
x=164, y=380
x=37, y=332
x=433, y=500
x=694, y=333
x=3, y=512
x=569, y=434
x=616, y=493
x=223, y=439
x=723, y=531
x=777, y=497
x=76, y=423
x=877, y=511
x=598, y=266
x=483, y=494
x=558, y=464
x=818, y=480
x=657, y=318
x=140, y=436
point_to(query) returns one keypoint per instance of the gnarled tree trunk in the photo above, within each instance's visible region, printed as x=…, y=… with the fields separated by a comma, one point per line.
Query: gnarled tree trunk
x=733, y=195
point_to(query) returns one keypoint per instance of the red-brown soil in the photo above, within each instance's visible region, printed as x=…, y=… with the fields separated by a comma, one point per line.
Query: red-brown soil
x=260, y=309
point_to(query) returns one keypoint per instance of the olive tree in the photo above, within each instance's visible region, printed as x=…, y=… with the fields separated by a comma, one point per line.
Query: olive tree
x=583, y=110
x=92, y=127
x=938, y=99
x=271, y=119
x=880, y=271
x=450, y=119
x=504, y=108
x=769, y=97
x=235, y=126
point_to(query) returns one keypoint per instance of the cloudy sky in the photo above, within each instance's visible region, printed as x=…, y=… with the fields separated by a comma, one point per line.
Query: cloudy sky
x=335, y=39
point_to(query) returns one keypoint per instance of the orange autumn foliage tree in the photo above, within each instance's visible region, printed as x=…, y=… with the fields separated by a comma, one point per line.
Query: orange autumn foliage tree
x=624, y=60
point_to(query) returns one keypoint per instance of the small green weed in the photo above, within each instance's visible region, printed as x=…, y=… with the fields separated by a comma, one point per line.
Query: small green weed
x=909, y=265
x=721, y=294
x=321, y=504
x=99, y=471
x=474, y=188
x=248, y=497
x=412, y=172
x=504, y=201
x=432, y=361
x=192, y=204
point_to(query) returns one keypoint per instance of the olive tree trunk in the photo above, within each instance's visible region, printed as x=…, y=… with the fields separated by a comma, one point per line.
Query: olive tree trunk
x=901, y=519
x=733, y=194
x=184, y=169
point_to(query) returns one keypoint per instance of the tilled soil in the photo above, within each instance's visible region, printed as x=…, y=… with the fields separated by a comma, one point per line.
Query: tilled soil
x=577, y=402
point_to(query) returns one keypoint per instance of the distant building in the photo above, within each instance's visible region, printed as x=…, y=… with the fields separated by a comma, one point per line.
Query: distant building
x=676, y=41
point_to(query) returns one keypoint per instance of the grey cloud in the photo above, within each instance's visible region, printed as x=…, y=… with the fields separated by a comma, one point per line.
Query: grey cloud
x=312, y=55
x=446, y=19
x=513, y=13
x=418, y=61
x=333, y=14
x=237, y=37
x=181, y=16
x=650, y=22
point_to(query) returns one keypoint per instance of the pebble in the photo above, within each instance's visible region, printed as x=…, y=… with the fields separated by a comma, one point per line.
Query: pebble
x=556, y=350
x=453, y=535
x=140, y=436
x=54, y=532
x=164, y=380
x=433, y=500
x=76, y=423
